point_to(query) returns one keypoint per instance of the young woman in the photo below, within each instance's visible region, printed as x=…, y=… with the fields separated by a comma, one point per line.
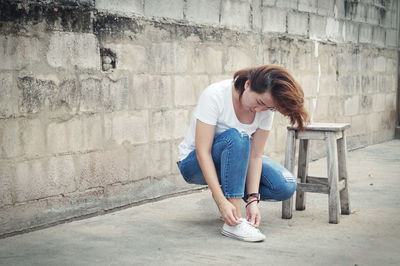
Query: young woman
x=224, y=145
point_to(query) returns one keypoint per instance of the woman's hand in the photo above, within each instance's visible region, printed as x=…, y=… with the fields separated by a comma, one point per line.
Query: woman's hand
x=228, y=212
x=253, y=214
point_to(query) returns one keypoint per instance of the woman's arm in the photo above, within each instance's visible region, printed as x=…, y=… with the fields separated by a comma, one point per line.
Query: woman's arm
x=204, y=138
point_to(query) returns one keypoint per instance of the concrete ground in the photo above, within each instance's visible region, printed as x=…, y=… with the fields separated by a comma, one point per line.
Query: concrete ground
x=185, y=230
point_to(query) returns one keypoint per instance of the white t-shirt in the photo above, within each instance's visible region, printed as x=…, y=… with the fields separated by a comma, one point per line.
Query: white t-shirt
x=215, y=107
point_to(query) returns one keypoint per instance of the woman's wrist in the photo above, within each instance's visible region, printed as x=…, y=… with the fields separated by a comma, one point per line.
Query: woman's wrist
x=250, y=196
x=251, y=201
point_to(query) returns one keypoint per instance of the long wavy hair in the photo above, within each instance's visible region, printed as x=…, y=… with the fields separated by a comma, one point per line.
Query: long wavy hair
x=286, y=92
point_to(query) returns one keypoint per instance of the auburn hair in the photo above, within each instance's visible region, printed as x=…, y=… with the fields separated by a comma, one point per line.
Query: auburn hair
x=286, y=92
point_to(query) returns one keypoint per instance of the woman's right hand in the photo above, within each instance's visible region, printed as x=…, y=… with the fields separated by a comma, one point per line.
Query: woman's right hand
x=228, y=212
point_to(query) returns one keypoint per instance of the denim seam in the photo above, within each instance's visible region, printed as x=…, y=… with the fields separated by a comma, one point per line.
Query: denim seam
x=234, y=196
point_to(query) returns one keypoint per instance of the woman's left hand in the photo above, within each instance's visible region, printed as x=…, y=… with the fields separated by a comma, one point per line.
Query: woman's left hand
x=253, y=214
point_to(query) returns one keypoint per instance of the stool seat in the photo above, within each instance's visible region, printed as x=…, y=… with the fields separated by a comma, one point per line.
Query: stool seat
x=336, y=182
x=324, y=127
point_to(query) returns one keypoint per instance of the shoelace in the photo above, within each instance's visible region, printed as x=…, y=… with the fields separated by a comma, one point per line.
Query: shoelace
x=249, y=228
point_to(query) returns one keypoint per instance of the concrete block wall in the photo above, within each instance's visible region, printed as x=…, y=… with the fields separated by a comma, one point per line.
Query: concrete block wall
x=77, y=139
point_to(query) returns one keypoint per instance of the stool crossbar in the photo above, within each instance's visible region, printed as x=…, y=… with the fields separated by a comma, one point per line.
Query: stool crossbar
x=335, y=184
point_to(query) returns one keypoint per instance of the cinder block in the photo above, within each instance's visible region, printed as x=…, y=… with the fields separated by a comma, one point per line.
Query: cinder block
x=92, y=132
x=139, y=162
x=351, y=32
x=237, y=59
x=98, y=169
x=33, y=93
x=256, y=8
x=391, y=38
x=33, y=137
x=121, y=6
x=77, y=134
x=378, y=36
x=241, y=19
x=326, y=7
x=170, y=57
x=91, y=95
x=115, y=94
x=351, y=105
x=8, y=96
x=69, y=50
x=390, y=101
x=358, y=123
x=185, y=93
x=297, y=24
x=181, y=123
x=367, y=62
x=169, y=9
x=286, y=4
x=268, y=2
x=374, y=122
x=394, y=18
x=130, y=57
x=10, y=138
x=321, y=108
x=200, y=83
x=20, y=52
x=207, y=60
x=131, y=127
x=206, y=11
x=378, y=102
x=162, y=125
x=340, y=10
x=159, y=89
x=308, y=6
x=380, y=64
x=42, y=178
x=68, y=95
x=317, y=27
x=138, y=93
x=365, y=34
x=334, y=30
x=359, y=12
x=328, y=85
x=161, y=157
x=120, y=195
x=309, y=84
x=366, y=104
x=369, y=84
x=274, y=20
x=117, y=195
x=7, y=175
x=373, y=14
x=346, y=85
x=386, y=20
x=391, y=65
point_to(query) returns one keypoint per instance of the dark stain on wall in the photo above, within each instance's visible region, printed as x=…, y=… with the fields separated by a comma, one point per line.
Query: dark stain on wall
x=14, y=16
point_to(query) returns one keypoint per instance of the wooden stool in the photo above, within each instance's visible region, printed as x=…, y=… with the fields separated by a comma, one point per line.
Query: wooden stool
x=336, y=185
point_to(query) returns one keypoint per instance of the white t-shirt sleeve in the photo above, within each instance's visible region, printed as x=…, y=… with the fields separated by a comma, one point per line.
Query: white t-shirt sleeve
x=207, y=109
x=266, y=120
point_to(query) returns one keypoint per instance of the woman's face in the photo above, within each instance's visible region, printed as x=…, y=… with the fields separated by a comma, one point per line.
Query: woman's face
x=254, y=102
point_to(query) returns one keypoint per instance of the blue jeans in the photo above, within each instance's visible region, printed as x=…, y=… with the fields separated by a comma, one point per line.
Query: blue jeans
x=230, y=153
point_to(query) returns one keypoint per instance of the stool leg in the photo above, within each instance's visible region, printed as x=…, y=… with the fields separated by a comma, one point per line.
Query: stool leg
x=302, y=172
x=344, y=194
x=290, y=156
x=333, y=178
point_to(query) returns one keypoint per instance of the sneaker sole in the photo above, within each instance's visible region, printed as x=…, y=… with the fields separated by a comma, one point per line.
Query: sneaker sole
x=231, y=235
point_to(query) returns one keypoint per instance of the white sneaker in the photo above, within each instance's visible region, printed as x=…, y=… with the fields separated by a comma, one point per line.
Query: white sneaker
x=244, y=231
